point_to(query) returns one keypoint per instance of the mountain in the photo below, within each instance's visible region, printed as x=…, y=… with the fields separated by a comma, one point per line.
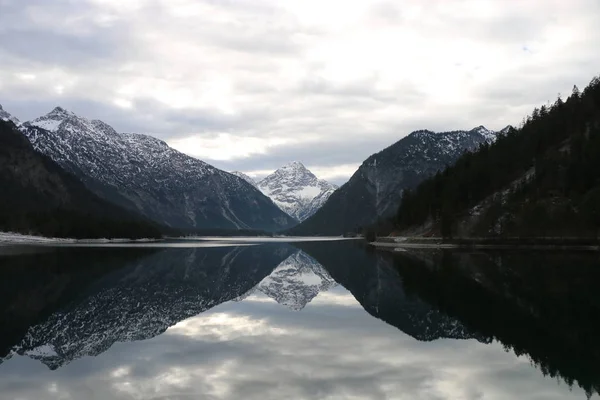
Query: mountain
x=39, y=197
x=296, y=281
x=539, y=181
x=144, y=174
x=244, y=177
x=5, y=116
x=376, y=188
x=296, y=190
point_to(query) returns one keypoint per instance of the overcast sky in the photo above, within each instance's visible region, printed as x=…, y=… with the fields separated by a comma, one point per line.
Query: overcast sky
x=253, y=84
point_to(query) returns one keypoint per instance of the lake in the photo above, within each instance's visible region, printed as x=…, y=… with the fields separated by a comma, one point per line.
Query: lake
x=301, y=320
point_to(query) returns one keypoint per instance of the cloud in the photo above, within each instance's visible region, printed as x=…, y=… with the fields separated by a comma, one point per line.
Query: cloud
x=249, y=85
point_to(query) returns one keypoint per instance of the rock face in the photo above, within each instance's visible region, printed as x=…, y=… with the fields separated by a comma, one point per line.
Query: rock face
x=296, y=190
x=375, y=190
x=144, y=174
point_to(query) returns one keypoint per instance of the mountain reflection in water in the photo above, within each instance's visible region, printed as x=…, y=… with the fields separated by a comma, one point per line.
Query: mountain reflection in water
x=121, y=323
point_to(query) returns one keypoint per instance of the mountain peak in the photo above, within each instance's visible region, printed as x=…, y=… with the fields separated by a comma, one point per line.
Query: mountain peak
x=5, y=116
x=488, y=135
x=296, y=190
x=294, y=164
x=506, y=129
x=60, y=112
x=53, y=120
x=294, y=170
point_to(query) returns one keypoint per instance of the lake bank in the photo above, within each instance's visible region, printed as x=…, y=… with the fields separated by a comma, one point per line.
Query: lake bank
x=577, y=244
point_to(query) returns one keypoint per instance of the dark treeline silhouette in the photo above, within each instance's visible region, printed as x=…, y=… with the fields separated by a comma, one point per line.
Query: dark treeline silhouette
x=371, y=278
x=542, y=179
x=38, y=197
x=37, y=281
x=543, y=305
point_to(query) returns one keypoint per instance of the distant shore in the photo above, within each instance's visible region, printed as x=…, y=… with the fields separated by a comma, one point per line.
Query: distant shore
x=548, y=243
x=11, y=238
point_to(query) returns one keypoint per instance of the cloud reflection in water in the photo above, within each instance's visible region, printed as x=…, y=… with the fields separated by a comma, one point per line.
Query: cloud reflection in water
x=257, y=349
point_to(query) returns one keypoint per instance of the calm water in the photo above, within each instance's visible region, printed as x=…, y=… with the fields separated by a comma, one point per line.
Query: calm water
x=300, y=320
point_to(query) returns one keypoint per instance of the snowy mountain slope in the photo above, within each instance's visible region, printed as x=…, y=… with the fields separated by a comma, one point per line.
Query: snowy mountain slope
x=244, y=177
x=5, y=116
x=375, y=190
x=296, y=281
x=296, y=190
x=39, y=197
x=143, y=173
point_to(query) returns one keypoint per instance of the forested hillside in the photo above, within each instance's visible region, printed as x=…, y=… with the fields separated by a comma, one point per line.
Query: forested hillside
x=374, y=191
x=540, y=180
x=39, y=197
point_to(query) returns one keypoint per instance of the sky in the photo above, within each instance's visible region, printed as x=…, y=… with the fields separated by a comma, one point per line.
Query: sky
x=251, y=85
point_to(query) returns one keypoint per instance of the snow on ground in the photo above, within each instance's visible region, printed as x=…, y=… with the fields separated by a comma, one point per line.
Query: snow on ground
x=18, y=238
x=49, y=124
x=12, y=238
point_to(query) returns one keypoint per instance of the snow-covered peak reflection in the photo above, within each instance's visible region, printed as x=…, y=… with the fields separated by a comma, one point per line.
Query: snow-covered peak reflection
x=296, y=281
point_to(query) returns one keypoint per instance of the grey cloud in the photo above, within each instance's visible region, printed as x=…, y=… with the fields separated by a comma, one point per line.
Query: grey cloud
x=52, y=43
x=49, y=48
x=275, y=66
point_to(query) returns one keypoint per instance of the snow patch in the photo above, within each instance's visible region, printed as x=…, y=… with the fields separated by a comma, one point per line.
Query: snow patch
x=45, y=350
x=47, y=124
x=16, y=238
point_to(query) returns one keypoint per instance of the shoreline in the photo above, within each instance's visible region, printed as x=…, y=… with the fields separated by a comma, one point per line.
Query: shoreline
x=12, y=238
x=573, y=244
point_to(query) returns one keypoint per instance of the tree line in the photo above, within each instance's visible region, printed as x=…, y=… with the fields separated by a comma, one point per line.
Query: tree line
x=540, y=179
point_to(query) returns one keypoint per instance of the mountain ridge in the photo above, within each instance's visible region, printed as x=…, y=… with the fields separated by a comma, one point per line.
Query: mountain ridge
x=144, y=174
x=39, y=197
x=375, y=189
x=539, y=181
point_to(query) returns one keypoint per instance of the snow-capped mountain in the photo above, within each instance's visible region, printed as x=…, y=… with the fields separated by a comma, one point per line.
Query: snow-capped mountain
x=39, y=197
x=296, y=281
x=296, y=190
x=375, y=190
x=5, y=116
x=144, y=174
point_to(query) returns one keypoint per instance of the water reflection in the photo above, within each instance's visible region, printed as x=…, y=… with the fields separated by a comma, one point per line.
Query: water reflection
x=543, y=305
x=160, y=324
